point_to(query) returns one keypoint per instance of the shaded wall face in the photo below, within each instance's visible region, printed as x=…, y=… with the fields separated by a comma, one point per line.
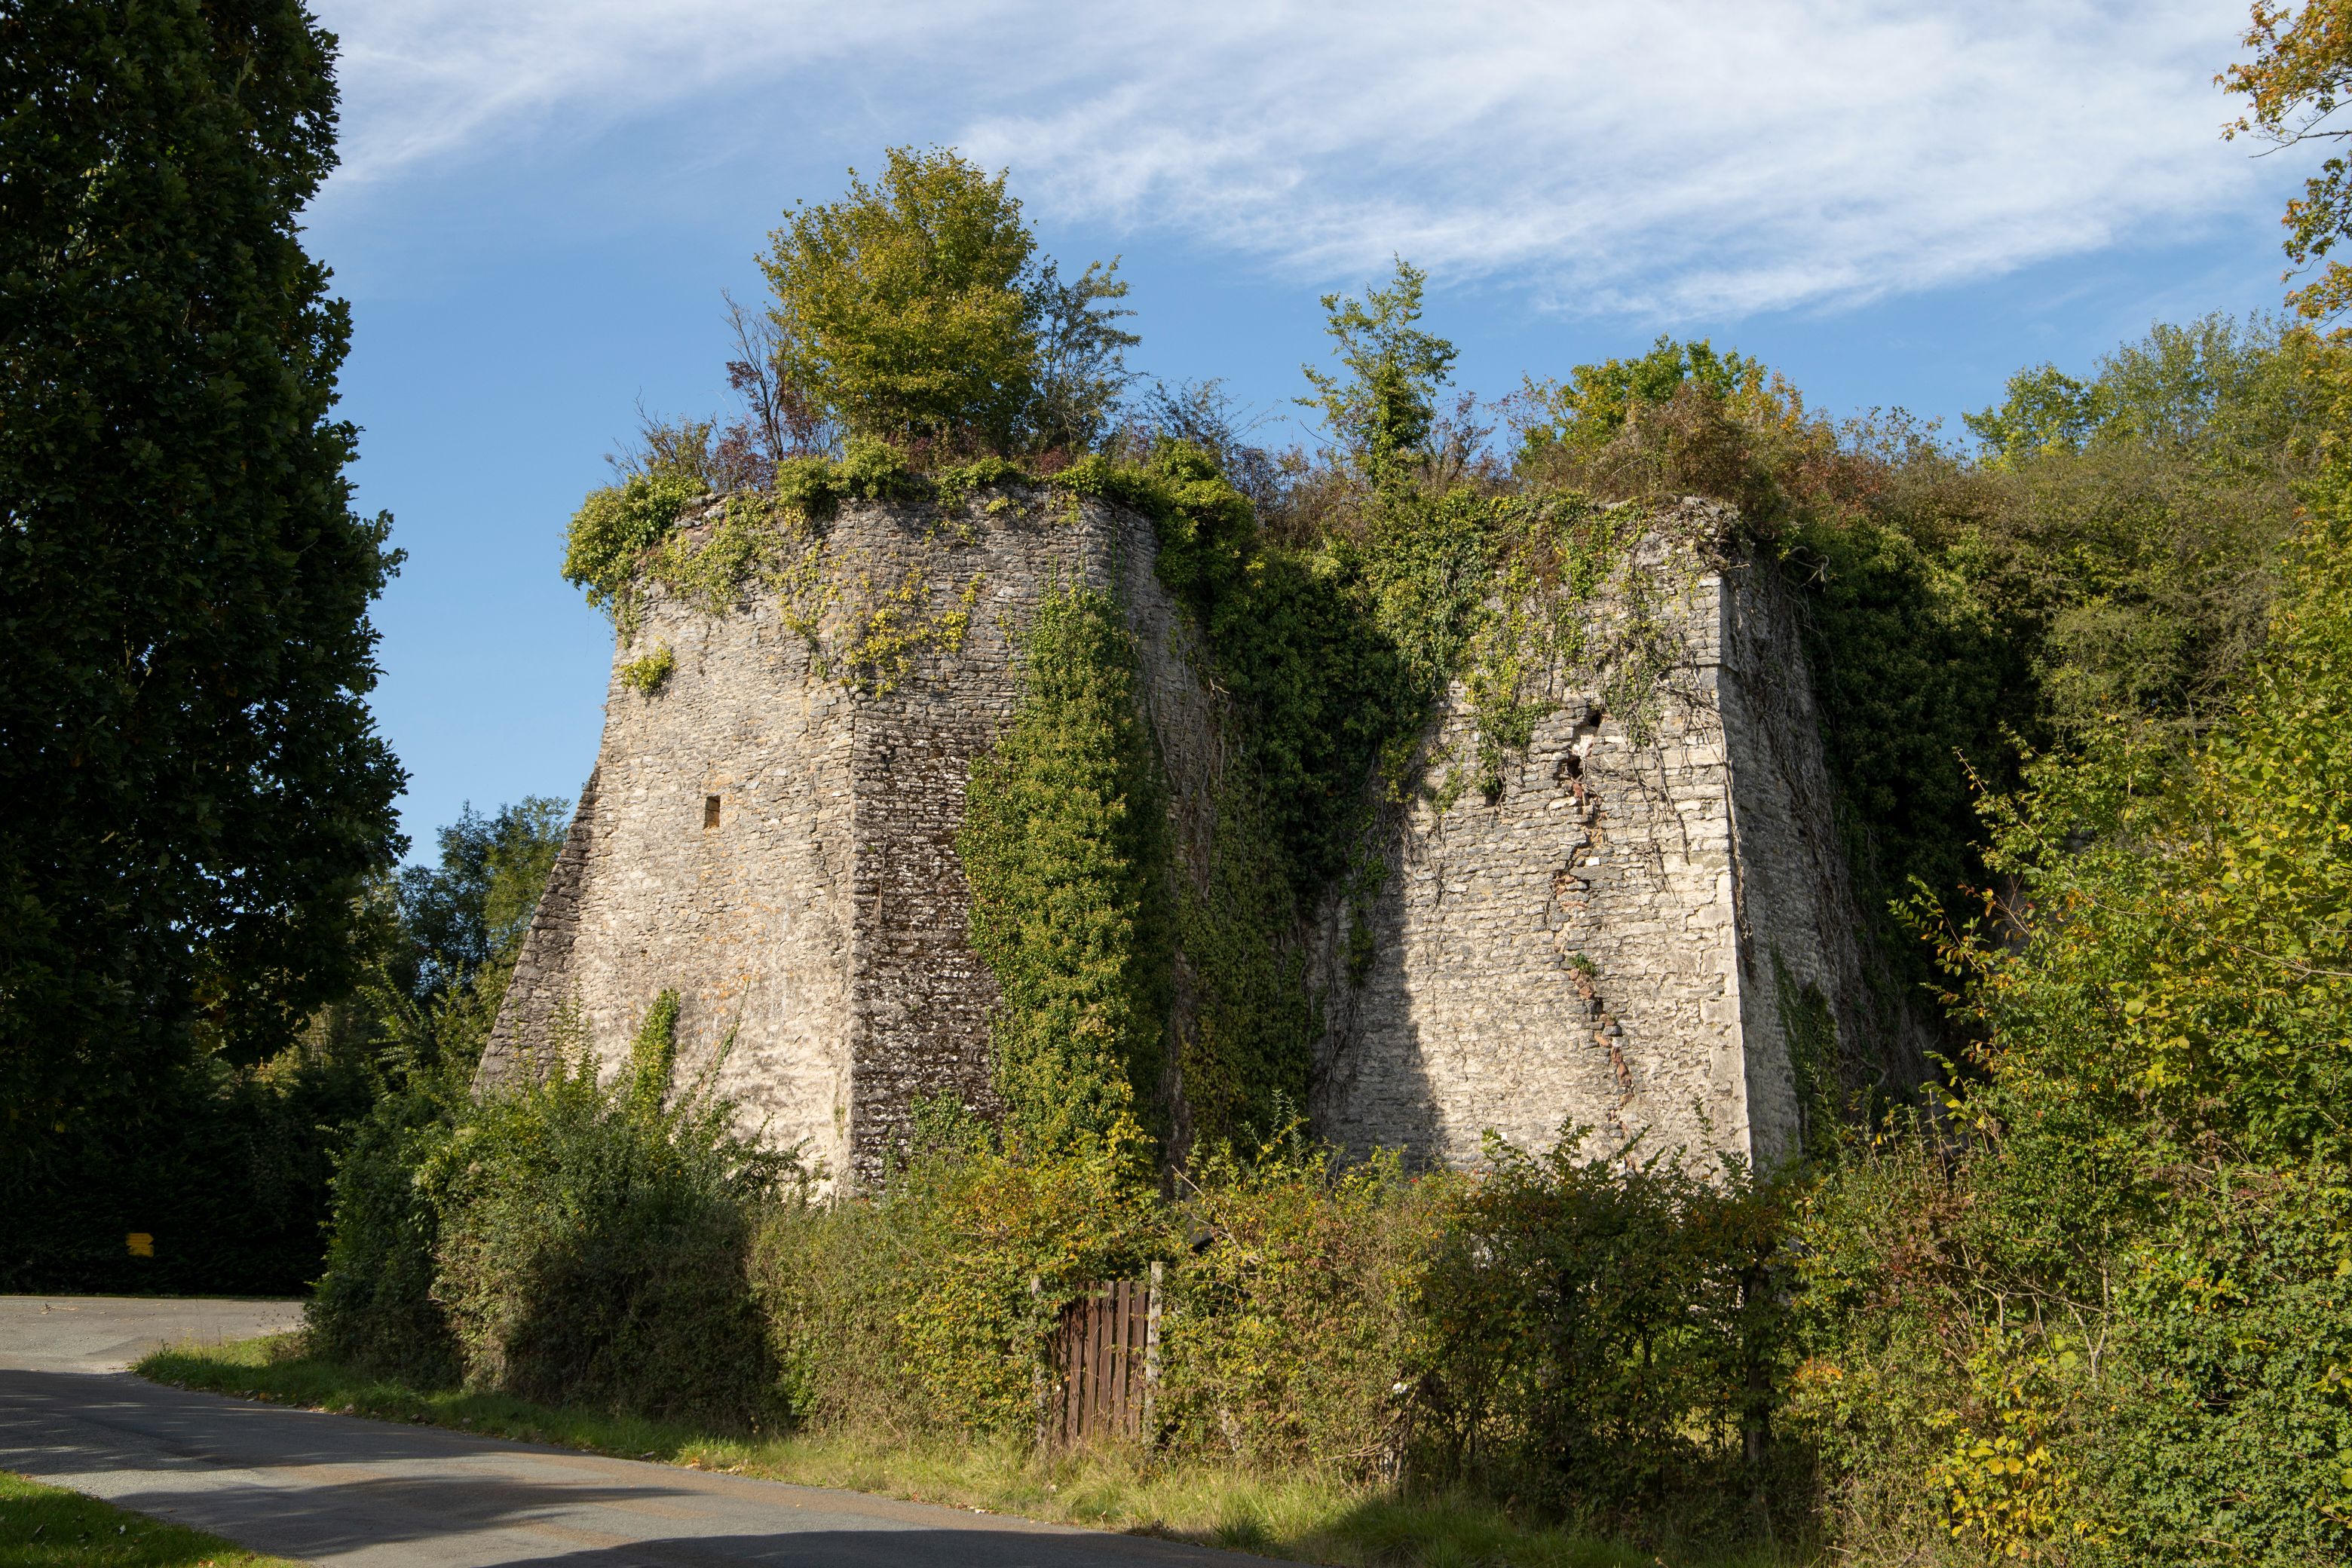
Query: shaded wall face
x=1566, y=951
x=1813, y=1030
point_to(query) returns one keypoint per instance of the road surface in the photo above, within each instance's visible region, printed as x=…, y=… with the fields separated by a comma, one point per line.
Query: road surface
x=337, y=1490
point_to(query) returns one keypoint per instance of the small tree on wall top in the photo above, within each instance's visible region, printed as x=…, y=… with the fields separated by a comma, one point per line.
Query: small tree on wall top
x=916, y=310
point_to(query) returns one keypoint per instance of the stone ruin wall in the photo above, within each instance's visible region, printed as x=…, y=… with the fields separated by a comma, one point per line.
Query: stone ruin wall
x=818, y=923
x=1597, y=944
x=816, y=929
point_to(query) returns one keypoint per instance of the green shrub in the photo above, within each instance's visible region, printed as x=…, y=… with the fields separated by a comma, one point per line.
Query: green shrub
x=926, y=1306
x=1581, y=1338
x=2227, y=1401
x=831, y=1281
x=2103, y=1319
x=229, y=1180
x=1294, y=1335
x=614, y=528
x=1609, y=1335
x=1887, y=1318
x=867, y=469
x=1203, y=527
x=373, y=1309
x=592, y=1239
x=646, y=673
x=1995, y=1368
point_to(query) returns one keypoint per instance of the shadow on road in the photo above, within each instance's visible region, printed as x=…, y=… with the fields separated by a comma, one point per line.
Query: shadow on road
x=344, y=1490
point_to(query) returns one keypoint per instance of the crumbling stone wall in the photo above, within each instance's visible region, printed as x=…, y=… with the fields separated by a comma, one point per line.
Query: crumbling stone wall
x=1612, y=939
x=746, y=912
x=1595, y=944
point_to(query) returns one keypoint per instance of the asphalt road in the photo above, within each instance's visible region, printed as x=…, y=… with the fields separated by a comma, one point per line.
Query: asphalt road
x=342, y=1490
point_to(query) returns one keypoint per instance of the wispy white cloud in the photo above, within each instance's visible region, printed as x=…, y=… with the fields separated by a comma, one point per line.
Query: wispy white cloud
x=1715, y=156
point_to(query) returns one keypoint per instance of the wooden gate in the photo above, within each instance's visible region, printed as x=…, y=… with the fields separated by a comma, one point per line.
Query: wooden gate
x=1104, y=1359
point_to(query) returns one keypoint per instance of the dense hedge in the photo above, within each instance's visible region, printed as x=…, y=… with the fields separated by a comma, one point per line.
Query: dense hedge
x=227, y=1182
x=1368, y=1324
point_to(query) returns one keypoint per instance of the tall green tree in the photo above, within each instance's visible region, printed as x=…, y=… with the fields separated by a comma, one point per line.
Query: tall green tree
x=472, y=910
x=195, y=793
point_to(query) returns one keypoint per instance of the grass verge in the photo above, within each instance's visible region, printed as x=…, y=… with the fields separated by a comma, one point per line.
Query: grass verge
x=42, y=1525
x=1303, y=1517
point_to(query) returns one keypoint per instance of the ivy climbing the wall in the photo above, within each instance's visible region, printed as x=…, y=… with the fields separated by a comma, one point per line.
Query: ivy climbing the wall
x=1065, y=845
x=1331, y=644
x=1333, y=653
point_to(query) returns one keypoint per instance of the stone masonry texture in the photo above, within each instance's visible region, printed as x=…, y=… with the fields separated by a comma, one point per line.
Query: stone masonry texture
x=1608, y=940
x=1605, y=942
x=816, y=930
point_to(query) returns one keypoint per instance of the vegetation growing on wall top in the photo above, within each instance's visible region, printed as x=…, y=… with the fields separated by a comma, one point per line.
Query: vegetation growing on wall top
x=2097, y=1314
x=916, y=310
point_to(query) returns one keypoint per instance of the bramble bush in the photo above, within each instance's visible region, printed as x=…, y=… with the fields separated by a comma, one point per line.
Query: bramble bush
x=593, y=1236
x=1353, y=1321
x=1294, y=1337
x=1611, y=1332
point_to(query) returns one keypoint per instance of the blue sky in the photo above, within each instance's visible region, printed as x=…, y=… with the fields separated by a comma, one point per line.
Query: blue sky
x=1895, y=204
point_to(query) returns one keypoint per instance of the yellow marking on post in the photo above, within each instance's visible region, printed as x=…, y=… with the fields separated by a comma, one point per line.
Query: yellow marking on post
x=140, y=1244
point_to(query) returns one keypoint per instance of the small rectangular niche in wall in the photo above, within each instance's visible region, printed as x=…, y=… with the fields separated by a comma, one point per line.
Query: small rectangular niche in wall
x=709, y=811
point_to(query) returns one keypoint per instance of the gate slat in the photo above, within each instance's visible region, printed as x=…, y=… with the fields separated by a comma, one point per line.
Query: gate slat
x=1137, y=1294
x=1074, y=1423
x=1118, y=1340
x=1101, y=1360
x=1085, y=1367
x=1089, y=1353
x=1138, y=1303
x=1117, y=1305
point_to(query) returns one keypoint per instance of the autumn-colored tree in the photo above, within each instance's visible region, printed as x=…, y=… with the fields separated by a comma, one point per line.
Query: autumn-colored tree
x=2298, y=77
